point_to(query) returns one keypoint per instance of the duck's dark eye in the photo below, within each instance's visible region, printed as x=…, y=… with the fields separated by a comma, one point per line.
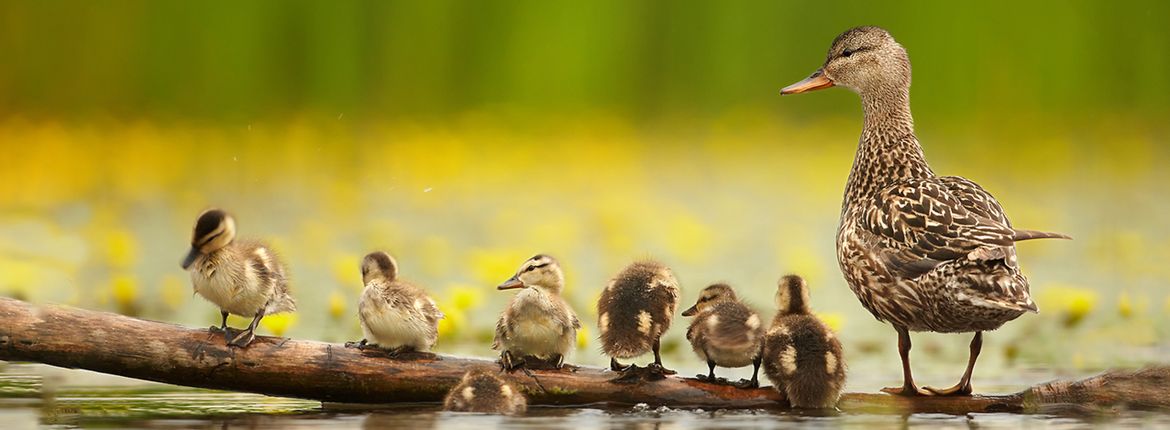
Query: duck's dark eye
x=846, y=53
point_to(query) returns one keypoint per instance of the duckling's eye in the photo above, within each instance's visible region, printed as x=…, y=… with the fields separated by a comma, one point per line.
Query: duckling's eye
x=846, y=53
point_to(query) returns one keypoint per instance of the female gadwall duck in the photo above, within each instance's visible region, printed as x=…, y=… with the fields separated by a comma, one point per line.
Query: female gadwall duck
x=923, y=252
x=244, y=278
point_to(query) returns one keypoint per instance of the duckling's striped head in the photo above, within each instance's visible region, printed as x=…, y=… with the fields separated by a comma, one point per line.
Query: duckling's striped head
x=709, y=297
x=214, y=230
x=379, y=265
x=792, y=295
x=866, y=60
x=540, y=271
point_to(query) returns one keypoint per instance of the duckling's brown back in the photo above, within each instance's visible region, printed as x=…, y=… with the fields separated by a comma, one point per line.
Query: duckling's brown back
x=803, y=359
x=636, y=308
x=735, y=326
x=485, y=393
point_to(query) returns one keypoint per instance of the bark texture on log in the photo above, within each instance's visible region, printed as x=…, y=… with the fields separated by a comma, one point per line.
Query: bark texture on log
x=109, y=343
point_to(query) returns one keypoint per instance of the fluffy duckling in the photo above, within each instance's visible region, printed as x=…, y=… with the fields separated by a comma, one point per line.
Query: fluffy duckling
x=802, y=358
x=241, y=277
x=394, y=314
x=634, y=311
x=725, y=332
x=483, y=392
x=537, y=323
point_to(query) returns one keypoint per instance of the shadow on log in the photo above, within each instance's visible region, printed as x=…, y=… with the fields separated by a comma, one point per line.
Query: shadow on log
x=109, y=343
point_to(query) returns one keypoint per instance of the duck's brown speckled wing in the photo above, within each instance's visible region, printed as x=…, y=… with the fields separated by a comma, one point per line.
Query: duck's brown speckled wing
x=921, y=223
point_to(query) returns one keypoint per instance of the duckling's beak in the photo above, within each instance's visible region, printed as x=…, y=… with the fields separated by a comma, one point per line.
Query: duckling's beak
x=691, y=311
x=514, y=282
x=191, y=256
x=817, y=81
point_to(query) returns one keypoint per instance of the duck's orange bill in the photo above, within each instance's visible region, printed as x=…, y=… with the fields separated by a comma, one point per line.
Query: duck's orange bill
x=815, y=82
x=510, y=284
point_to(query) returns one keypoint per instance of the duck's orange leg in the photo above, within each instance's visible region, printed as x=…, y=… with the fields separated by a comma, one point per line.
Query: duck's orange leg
x=908, y=388
x=963, y=388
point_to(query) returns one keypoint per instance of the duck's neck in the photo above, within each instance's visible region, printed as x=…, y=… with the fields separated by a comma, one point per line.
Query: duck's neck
x=888, y=152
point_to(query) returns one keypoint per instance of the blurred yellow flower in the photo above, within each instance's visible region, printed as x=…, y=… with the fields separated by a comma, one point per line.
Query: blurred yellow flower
x=121, y=248
x=337, y=305
x=1073, y=304
x=582, y=337
x=464, y=297
x=689, y=237
x=1124, y=306
x=492, y=266
x=347, y=271
x=835, y=320
x=124, y=290
x=280, y=323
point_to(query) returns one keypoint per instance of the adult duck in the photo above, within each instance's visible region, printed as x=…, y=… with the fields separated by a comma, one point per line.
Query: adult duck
x=922, y=252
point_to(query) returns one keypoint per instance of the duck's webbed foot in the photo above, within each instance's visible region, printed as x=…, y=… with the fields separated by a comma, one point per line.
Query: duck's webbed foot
x=906, y=390
x=360, y=345
x=618, y=367
x=658, y=368
x=746, y=383
x=959, y=390
x=243, y=339
x=509, y=362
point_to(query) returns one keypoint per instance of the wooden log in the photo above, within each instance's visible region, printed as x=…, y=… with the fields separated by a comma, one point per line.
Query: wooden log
x=115, y=344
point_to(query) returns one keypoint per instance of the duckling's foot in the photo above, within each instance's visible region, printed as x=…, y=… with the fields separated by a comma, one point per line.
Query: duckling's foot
x=634, y=374
x=907, y=391
x=959, y=390
x=360, y=345
x=746, y=384
x=243, y=339
x=659, y=369
x=509, y=363
x=618, y=367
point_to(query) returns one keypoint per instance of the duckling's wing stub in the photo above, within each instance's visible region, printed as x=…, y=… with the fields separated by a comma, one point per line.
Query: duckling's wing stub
x=921, y=223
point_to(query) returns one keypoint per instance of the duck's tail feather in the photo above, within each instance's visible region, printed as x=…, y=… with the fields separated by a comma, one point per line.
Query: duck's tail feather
x=1022, y=235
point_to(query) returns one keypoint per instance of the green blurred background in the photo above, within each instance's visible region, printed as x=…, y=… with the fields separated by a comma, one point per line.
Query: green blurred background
x=464, y=137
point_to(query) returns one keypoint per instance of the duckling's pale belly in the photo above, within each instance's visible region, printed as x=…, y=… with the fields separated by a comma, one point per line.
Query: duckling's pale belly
x=537, y=335
x=728, y=357
x=234, y=288
x=391, y=326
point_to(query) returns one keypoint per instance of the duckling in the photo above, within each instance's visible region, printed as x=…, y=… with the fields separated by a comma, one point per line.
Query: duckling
x=725, y=332
x=483, y=392
x=394, y=314
x=634, y=310
x=802, y=357
x=538, y=323
x=244, y=278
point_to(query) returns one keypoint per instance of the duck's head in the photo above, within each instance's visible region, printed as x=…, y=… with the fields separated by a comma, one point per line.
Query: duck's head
x=866, y=60
x=214, y=230
x=379, y=265
x=792, y=295
x=541, y=271
x=709, y=297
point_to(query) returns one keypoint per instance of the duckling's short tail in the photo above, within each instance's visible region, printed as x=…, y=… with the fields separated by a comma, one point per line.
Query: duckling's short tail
x=1022, y=235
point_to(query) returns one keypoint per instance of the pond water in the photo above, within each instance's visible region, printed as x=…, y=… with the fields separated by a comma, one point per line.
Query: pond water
x=35, y=396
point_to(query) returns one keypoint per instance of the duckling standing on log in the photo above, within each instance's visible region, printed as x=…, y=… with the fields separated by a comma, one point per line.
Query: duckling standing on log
x=485, y=393
x=395, y=315
x=537, y=324
x=921, y=251
x=725, y=332
x=634, y=310
x=802, y=357
x=241, y=277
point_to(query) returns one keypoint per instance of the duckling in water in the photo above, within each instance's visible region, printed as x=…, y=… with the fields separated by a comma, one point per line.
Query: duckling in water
x=394, y=314
x=241, y=277
x=483, y=392
x=538, y=323
x=634, y=311
x=725, y=332
x=802, y=358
